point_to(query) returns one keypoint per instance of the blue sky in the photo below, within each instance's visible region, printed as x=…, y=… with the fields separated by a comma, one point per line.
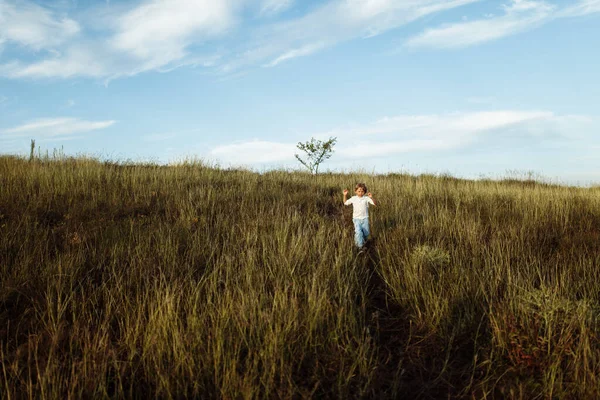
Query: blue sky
x=467, y=87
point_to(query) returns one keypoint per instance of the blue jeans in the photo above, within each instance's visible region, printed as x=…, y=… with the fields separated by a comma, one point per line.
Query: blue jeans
x=361, y=231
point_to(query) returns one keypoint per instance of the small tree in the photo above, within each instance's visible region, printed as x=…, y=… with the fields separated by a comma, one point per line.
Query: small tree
x=316, y=151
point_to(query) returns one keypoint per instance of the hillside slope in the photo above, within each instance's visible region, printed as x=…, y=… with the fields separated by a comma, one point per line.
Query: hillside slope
x=129, y=279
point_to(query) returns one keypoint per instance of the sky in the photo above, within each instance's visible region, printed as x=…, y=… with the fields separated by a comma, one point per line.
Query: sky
x=471, y=88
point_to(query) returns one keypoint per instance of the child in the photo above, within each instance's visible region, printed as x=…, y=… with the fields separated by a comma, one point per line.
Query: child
x=360, y=215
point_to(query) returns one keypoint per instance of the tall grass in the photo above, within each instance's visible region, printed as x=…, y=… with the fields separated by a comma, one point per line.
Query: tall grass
x=124, y=279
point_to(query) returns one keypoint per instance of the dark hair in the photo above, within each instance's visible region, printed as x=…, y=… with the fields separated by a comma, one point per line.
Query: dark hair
x=360, y=185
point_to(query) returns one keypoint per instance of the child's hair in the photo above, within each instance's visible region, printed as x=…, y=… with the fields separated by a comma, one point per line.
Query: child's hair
x=360, y=185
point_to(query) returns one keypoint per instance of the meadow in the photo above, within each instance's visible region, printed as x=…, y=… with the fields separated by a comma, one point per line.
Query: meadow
x=122, y=279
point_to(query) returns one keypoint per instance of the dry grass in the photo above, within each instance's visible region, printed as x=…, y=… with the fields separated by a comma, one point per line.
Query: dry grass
x=132, y=280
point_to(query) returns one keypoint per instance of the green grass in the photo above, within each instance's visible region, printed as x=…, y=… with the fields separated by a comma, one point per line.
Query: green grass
x=137, y=280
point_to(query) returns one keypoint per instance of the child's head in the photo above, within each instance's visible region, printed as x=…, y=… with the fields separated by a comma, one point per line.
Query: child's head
x=360, y=189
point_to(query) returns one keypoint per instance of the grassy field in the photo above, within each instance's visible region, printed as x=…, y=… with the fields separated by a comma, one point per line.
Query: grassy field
x=133, y=280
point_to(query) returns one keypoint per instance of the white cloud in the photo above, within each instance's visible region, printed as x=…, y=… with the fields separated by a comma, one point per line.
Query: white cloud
x=520, y=16
x=332, y=23
x=480, y=133
x=400, y=134
x=161, y=35
x=487, y=120
x=158, y=32
x=33, y=26
x=273, y=7
x=366, y=149
x=54, y=128
x=419, y=133
x=581, y=8
x=78, y=61
x=155, y=35
x=254, y=152
x=437, y=125
x=302, y=51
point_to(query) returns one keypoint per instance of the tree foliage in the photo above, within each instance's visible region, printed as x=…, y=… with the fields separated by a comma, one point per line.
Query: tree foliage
x=316, y=151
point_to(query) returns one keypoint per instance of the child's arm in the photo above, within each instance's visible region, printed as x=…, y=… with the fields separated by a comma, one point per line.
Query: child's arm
x=345, y=195
x=372, y=198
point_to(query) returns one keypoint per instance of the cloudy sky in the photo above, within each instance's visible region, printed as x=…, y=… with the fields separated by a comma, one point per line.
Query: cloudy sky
x=467, y=87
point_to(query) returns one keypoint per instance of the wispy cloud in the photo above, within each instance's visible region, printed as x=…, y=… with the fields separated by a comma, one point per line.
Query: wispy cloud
x=581, y=8
x=334, y=22
x=158, y=32
x=166, y=34
x=112, y=41
x=438, y=125
x=273, y=7
x=520, y=16
x=54, y=128
x=77, y=60
x=437, y=132
x=30, y=25
x=302, y=51
x=154, y=35
x=423, y=133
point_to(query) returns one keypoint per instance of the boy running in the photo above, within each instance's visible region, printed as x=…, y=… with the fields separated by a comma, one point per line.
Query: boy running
x=360, y=214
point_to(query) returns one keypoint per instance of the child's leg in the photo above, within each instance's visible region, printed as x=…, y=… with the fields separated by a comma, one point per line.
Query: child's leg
x=365, y=228
x=359, y=238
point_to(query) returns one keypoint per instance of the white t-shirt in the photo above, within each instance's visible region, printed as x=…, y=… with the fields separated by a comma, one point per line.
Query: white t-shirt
x=360, y=206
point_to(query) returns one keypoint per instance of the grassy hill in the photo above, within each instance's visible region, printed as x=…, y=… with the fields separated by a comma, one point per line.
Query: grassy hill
x=121, y=280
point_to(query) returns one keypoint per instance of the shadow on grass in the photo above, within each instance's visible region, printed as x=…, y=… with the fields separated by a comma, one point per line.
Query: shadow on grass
x=387, y=326
x=416, y=363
